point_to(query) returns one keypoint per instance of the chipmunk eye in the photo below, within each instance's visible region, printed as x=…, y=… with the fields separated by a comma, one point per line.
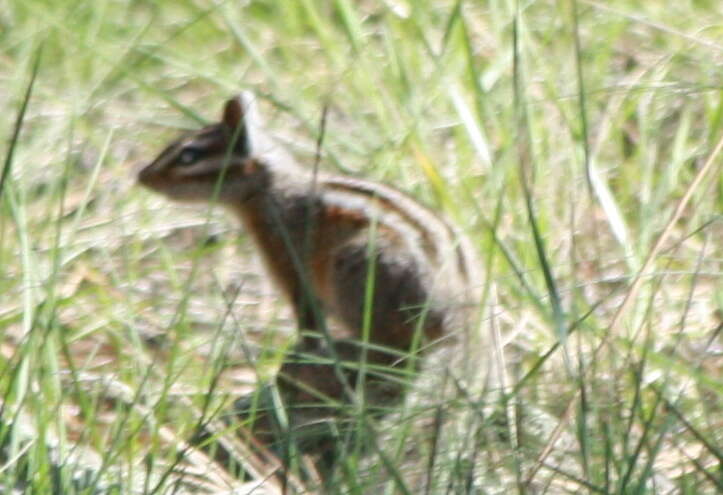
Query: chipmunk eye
x=189, y=156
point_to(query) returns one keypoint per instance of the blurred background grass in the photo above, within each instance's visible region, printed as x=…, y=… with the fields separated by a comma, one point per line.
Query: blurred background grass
x=561, y=136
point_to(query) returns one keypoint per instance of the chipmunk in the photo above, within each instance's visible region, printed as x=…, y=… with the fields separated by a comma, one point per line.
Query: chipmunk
x=377, y=276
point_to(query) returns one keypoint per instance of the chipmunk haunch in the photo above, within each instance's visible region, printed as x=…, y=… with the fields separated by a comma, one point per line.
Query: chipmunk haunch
x=377, y=274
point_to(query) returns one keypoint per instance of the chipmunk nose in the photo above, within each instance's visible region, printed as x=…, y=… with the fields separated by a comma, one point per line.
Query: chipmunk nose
x=142, y=174
x=146, y=175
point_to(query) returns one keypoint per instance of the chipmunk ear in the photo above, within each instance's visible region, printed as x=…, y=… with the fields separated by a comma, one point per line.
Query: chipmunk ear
x=233, y=113
x=238, y=113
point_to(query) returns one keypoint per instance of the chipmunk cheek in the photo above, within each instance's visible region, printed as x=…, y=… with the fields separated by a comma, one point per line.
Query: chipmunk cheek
x=185, y=172
x=249, y=167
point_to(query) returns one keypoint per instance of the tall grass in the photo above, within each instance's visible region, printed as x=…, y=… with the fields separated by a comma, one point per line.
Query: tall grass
x=578, y=144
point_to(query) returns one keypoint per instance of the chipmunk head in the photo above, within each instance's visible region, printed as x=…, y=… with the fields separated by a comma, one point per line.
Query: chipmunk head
x=213, y=162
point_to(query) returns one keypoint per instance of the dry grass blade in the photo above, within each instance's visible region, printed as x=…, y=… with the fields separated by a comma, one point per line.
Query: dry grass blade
x=7, y=166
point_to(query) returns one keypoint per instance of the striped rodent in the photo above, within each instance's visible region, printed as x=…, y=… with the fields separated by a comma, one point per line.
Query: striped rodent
x=392, y=276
